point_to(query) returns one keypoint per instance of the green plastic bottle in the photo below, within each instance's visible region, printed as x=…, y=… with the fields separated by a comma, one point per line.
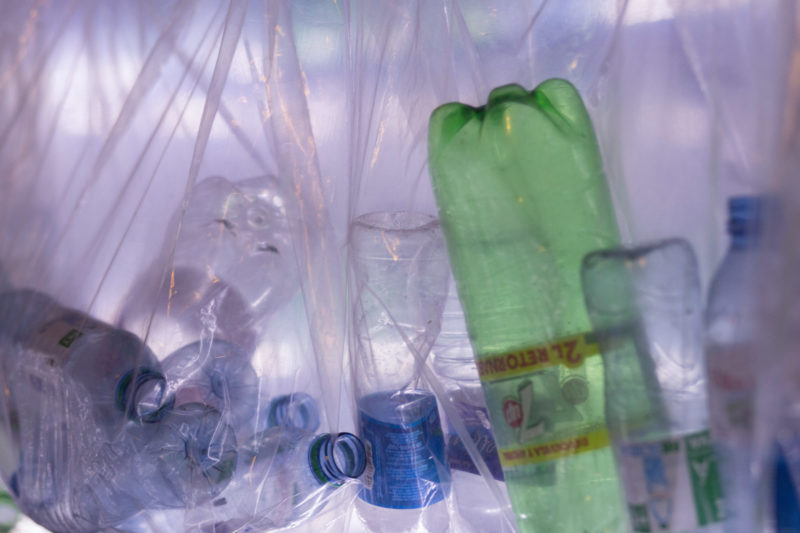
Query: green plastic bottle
x=522, y=198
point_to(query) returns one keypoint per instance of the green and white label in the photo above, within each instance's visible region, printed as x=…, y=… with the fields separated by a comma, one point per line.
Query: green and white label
x=671, y=484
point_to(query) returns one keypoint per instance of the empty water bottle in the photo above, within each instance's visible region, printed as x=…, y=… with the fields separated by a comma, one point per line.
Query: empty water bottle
x=522, y=198
x=646, y=306
x=120, y=374
x=400, y=276
x=72, y=474
x=732, y=320
x=454, y=365
x=232, y=266
x=285, y=476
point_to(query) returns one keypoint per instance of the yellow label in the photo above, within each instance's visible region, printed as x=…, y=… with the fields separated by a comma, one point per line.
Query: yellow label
x=569, y=351
x=558, y=449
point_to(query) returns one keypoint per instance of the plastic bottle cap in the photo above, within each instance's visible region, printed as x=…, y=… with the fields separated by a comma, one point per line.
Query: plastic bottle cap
x=744, y=217
x=332, y=459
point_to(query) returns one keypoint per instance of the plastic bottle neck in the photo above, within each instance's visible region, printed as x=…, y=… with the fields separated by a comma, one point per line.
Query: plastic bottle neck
x=745, y=221
x=334, y=459
x=294, y=410
x=142, y=395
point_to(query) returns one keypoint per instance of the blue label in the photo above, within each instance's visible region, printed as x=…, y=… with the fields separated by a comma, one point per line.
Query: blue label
x=476, y=419
x=404, y=441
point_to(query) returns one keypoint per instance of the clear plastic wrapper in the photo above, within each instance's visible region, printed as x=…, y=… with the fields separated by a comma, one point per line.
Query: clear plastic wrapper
x=186, y=175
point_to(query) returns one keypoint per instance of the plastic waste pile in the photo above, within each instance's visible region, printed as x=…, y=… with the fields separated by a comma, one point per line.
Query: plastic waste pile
x=406, y=267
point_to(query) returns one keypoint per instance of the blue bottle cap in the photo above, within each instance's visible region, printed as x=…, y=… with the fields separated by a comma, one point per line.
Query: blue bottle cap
x=333, y=459
x=744, y=218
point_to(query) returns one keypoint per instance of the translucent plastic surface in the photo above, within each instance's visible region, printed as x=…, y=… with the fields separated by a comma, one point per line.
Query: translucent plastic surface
x=189, y=172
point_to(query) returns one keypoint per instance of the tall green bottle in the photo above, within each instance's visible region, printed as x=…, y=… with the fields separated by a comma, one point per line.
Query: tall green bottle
x=522, y=198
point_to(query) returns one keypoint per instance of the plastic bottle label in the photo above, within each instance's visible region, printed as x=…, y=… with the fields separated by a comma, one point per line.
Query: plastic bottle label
x=672, y=484
x=545, y=412
x=731, y=390
x=569, y=351
x=55, y=338
x=403, y=461
x=476, y=420
x=557, y=449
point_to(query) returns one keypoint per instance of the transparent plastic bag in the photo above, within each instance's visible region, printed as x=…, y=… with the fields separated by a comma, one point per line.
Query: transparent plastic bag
x=116, y=117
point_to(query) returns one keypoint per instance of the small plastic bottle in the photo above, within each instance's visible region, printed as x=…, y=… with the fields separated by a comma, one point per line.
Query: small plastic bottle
x=190, y=460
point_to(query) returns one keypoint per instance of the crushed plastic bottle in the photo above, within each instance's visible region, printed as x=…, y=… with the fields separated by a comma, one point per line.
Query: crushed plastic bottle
x=190, y=459
x=522, y=198
x=84, y=399
x=656, y=386
x=232, y=267
x=400, y=275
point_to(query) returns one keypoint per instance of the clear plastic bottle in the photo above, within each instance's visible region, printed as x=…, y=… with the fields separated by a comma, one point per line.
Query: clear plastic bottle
x=454, y=365
x=646, y=306
x=190, y=459
x=232, y=266
x=400, y=283
x=285, y=476
x=214, y=373
x=731, y=333
x=186, y=459
x=121, y=375
x=83, y=399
